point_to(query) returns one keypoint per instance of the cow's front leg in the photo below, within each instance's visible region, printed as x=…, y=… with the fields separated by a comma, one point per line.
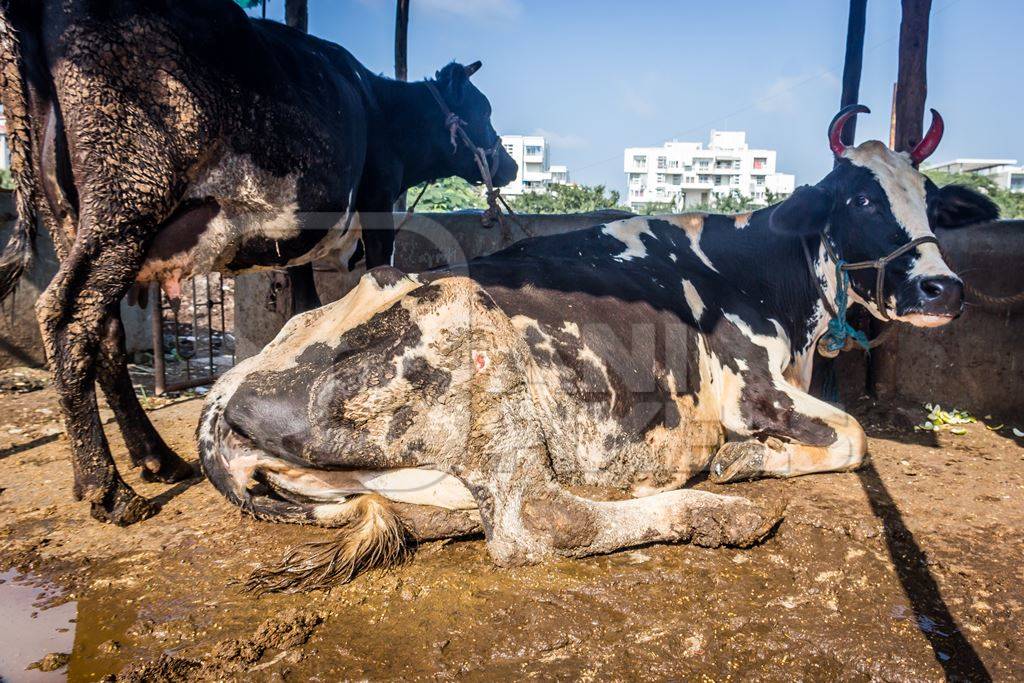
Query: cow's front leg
x=72, y=312
x=378, y=230
x=792, y=433
x=145, y=446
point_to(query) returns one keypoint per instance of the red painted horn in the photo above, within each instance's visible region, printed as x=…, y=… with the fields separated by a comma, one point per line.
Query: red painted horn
x=835, y=129
x=930, y=141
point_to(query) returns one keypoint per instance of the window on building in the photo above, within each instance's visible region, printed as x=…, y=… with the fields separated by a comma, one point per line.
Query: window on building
x=705, y=179
x=662, y=162
x=534, y=150
x=639, y=161
x=673, y=163
x=760, y=162
x=1017, y=182
x=735, y=180
x=703, y=163
x=759, y=180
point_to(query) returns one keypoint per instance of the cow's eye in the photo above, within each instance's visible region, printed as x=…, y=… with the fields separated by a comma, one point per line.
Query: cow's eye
x=861, y=200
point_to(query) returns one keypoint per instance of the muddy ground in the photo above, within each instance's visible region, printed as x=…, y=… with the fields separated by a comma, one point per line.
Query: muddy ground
x=911, y=569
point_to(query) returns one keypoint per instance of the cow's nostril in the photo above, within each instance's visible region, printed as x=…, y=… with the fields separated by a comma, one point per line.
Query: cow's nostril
x=940, y=295
x=933, y=288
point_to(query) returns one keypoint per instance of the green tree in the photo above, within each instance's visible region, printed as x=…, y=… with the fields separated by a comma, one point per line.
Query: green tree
x=656, y=208
x=734, y=202
x=567, y=199
x=6, y=181
x=448, y=194
x=1011, y=204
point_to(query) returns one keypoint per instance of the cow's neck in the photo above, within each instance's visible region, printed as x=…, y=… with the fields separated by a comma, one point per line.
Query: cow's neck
x=772, y=269
x=408, y=137
x=803, y=358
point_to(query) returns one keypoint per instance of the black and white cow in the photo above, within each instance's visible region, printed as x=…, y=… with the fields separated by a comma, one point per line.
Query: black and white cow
x=161, y=140
x=616, y=362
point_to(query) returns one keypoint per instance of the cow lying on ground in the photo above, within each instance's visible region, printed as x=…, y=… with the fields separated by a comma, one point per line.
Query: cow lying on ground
x=628, y=357
x=160, y=140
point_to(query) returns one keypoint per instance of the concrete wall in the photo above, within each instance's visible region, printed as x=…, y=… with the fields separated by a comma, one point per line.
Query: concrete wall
x=976, y=362
x=426, y=241
x=20, y=343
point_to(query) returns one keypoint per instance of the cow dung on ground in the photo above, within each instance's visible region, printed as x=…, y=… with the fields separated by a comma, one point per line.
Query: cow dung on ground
x=823, y=598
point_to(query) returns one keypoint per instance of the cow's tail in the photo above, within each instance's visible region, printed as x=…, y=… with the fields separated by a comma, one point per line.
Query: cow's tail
x=17, y=255
x=369, y=534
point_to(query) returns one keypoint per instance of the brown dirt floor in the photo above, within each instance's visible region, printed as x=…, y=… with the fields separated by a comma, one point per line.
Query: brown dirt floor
x=910, y=569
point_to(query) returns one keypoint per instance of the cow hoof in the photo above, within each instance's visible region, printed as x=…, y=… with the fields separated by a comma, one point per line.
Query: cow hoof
x=167, y=468
x=123, y=507
x=737, y=461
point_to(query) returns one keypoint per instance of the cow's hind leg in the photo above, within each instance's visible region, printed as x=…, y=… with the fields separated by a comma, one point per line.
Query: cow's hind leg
x=530, y=518
x=145, y=446
x=72, y=313
x=811, y=436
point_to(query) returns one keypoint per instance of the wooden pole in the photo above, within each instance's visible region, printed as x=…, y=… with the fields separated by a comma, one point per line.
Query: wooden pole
x=912, y=83
x=401, y=61
x=402, y=40
x=300, y=280
x=296, y=14
x=908, y=112
x=853, y=64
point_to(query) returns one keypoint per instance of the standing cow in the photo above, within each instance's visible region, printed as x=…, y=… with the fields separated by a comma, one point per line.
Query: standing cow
x=627, y=357
x=160, y=140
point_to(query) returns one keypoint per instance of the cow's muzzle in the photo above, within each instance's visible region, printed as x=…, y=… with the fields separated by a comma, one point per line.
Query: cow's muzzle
x=933, y=301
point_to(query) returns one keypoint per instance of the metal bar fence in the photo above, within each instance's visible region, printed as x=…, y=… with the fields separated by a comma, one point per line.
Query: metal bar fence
x=177, y=344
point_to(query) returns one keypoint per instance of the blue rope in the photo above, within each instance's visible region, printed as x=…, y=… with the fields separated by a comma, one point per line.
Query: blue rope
x=839, y=329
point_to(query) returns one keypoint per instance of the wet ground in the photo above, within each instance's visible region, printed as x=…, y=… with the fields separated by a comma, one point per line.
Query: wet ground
x=911, y=569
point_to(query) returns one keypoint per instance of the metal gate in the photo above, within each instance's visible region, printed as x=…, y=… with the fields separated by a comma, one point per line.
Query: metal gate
x=193, y=343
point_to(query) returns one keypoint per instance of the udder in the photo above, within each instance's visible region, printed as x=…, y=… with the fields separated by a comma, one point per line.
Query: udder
x=172, y=255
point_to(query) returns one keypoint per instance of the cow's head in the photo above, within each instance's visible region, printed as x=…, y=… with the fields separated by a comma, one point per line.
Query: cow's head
x=876, y=202
x=473, y=110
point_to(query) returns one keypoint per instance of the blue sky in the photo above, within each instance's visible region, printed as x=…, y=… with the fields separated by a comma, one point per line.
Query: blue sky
x=598, y=76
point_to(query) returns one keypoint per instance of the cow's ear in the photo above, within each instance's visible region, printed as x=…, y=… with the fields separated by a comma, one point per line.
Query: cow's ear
x=452, y=80
x=955, y=206
x=805, y=212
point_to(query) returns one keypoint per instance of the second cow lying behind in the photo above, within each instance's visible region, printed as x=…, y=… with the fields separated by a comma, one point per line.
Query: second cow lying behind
x=630, y=356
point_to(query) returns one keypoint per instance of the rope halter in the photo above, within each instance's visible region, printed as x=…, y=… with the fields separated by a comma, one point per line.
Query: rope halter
x=485, y=158
x=486, y=161
x=840, y=333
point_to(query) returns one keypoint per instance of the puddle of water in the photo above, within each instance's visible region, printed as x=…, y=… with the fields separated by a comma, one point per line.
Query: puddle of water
x=29, y=632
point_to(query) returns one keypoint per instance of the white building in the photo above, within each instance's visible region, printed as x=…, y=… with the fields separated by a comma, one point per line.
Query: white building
x=687, y=174
x=536, y=172
x=1004, y=172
